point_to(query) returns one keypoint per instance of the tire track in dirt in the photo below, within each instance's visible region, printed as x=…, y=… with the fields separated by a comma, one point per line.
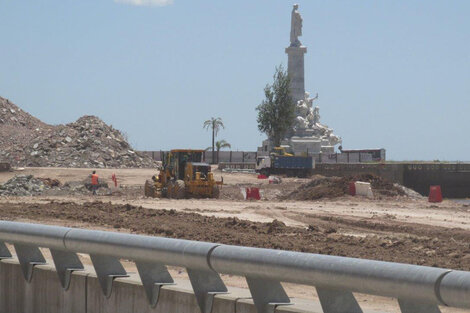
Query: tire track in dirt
x=380, y=238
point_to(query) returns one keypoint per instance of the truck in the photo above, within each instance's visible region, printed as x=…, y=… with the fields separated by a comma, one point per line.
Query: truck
x=292, y=166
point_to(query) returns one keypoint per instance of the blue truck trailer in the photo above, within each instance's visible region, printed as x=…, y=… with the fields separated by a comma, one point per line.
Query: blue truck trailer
x=293, y=166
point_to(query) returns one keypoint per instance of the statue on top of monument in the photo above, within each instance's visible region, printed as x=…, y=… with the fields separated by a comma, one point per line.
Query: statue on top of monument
x=295, y=27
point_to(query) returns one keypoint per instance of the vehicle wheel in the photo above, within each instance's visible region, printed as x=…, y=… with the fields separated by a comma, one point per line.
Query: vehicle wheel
x=215, y=192
x=179, y=190
x=149, y=188
x=164, y=192
x=169, y=190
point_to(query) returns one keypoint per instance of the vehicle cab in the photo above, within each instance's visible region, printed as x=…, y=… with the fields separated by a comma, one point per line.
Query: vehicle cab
x=263, y=162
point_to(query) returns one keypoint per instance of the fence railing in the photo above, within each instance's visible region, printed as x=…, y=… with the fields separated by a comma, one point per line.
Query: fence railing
x=418, y=289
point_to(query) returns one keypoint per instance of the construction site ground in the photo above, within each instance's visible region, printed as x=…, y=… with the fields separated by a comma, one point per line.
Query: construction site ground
x=389, y=228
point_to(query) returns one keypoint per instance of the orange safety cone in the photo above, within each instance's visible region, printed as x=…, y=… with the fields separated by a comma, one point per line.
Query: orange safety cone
x=435, y=194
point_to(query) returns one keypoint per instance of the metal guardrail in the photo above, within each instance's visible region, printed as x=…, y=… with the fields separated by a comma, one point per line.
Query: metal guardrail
x=419, y=289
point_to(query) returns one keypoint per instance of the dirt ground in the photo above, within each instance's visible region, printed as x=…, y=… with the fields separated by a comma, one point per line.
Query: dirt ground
x=395, y=228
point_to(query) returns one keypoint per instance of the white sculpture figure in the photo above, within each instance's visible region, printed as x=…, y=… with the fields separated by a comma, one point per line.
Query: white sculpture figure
x=310, y=118
x=301, y=123
x=316, y=115
x=334, y=140
x=302, y=108
x=308, y=100
x=295, y=27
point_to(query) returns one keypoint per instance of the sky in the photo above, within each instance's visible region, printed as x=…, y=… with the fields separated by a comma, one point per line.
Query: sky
x=390, y=74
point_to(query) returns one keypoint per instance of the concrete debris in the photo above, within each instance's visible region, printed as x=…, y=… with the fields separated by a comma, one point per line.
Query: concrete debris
x=23, y=185
x=28, y=185
x=409, y=192
x=89, y=142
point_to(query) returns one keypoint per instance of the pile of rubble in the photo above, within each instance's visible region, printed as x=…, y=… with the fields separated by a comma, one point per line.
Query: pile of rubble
x=320, y=187
x=89, y=142
x=23, y=185
x=28, y=185
x=12, y=115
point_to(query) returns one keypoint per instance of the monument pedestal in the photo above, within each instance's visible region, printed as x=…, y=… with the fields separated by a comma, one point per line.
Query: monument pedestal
x=305, y=145
x=295, y=69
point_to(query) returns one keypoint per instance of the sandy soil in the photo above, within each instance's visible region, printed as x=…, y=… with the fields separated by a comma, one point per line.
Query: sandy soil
x=395, y=229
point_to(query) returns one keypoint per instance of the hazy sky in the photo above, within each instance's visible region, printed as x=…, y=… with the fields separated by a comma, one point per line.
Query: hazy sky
x=392, y=74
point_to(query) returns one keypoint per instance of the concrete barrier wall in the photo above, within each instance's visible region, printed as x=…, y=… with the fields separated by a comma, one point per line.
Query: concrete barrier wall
x=454, y=178
x=224, y=156
x=391, y=172
x=45, y=294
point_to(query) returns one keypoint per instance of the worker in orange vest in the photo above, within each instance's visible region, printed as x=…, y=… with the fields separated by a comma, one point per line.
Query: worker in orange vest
x=94, y=182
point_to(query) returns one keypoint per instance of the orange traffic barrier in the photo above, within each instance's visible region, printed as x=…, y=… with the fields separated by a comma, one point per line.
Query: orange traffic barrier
x=114, y=179
x=352, y=188
x=435, y=194
x=252, y=193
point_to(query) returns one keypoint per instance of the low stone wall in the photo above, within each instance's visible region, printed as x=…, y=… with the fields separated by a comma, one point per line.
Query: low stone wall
x=5, y=167
x=45, y=294
x=391, y=172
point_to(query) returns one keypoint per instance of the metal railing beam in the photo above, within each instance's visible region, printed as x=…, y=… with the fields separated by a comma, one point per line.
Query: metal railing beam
x=417, y=288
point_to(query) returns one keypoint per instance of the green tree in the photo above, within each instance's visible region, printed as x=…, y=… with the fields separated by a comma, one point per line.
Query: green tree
x=221, y=144
x=276, y=114
x=214, y=124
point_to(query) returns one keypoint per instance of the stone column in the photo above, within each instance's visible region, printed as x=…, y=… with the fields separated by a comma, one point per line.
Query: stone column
x=295, y=69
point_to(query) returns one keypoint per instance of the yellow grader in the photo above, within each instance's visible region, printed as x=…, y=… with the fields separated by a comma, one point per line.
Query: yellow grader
x=183, y=175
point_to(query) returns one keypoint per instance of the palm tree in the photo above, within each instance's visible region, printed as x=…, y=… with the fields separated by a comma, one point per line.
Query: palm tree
x=220, y=145
x=215, y=124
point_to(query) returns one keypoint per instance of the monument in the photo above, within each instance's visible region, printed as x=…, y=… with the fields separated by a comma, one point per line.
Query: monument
x=308, y=135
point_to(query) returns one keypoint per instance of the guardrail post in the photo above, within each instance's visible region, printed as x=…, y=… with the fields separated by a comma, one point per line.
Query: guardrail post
x=206, y=284
x=153, y=277
x=267, y=294
x=65, y=263
x=4, y=252
x=107, y=268
x=28, y=257
x=407, y=306
x=337, y=301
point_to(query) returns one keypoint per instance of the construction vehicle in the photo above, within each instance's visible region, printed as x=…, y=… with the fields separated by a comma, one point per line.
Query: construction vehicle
x=183, y=174
x=281, y=162
x=281, y=151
